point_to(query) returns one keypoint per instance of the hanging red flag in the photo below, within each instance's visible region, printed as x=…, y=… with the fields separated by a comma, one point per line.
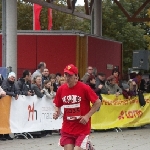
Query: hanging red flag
x=36, y=16
x=50, y=23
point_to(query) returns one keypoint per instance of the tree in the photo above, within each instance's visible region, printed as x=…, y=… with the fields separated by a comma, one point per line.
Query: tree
x=115, y=26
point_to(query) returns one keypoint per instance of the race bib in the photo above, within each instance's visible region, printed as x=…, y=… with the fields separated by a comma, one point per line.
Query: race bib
x=72, y=112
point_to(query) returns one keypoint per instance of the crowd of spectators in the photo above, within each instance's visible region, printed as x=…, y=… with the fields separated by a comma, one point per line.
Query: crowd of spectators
x=41, y=83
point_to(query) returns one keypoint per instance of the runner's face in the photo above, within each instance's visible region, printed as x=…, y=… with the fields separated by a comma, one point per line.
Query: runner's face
x=70, y=78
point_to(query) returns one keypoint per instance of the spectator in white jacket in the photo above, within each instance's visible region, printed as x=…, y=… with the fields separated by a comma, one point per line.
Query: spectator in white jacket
x=49, y=89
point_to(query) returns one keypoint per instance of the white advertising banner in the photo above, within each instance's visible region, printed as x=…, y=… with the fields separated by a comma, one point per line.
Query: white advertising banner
x=30, y=113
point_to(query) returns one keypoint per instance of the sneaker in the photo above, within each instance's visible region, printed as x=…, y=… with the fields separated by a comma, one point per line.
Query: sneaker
x=9, y=138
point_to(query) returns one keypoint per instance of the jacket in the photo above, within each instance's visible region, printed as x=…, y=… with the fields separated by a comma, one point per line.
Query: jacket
x=10, y=88
x=50, y=94
x=104, y=90
x=113, y=88
x=23, y=86
x=37, y=90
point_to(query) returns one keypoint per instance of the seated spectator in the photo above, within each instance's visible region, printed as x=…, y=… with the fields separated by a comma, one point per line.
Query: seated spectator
x=36, y=86
x=24, y=84
x=91, y=82
x=49, y=90
x=53, y=81
x=112, y=87
x=2, y=92
x=87, y=74
x=126, y=91
x=45, y=75
x=100, y=83
x=9, y=87
x=58, y=76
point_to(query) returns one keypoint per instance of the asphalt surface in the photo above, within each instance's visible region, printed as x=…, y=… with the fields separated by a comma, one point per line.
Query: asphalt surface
x=128, y=139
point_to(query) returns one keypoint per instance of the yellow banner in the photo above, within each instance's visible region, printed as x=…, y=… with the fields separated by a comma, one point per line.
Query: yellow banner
x=120, y=112
x=5, y=103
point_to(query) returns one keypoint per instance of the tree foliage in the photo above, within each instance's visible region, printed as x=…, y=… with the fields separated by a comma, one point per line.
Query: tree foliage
x=115, y=26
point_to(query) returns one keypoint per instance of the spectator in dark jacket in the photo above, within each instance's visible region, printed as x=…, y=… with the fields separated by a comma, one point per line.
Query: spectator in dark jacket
x=36, y=86
x=100, y=82
x=91, y=82
x=24, y=84
x=9, y=87
x=45, y=75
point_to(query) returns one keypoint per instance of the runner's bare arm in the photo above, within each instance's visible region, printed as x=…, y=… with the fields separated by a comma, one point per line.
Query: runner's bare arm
x=57, y=112
x=94, y=108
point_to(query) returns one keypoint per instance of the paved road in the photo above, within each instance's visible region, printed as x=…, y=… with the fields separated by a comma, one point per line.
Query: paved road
x=129, y=139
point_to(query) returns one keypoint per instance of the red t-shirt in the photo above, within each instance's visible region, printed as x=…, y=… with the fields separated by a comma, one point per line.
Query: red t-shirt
x=76, y=103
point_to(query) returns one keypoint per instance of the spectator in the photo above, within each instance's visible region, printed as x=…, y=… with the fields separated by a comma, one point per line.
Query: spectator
x=45, y=75
x=53, y=81
x=9, y=87
x=58, y=76
x=49, y=90
x=126, y=91
x=24, y=84
x=115, y=73
x=40, y=69
x=62, y=81
x=91, y=82
x=133, y=86
x=36, y=86
x=2, y=92
x=100, y=83
x=50, y=94
x=1, y=79
x=112, y=87
x=87, y=74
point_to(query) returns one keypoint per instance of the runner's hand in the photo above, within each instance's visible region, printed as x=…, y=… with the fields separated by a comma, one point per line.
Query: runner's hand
x=84, y=119
x=55, y=115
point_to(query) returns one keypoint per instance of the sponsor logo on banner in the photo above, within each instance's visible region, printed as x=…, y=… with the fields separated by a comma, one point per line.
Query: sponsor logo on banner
x=47, y=112
x=32, y=112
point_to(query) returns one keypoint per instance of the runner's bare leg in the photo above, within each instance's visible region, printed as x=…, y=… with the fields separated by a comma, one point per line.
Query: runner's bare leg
x=78, y=148
x=69, y=147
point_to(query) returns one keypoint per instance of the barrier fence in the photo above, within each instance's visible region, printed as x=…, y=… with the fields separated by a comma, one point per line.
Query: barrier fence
x=29, y=114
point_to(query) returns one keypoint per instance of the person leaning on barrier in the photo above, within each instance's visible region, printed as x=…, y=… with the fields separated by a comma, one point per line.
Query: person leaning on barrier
x=24, y=84
x=9, y=86
x=36, y=86
x=91, y=81
x=49, y=90
x=112, y=87
x=100, y=83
